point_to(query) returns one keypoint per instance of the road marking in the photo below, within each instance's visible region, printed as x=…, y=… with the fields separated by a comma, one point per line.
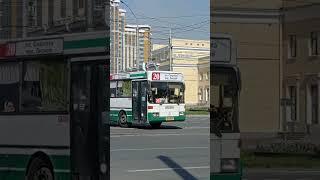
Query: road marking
x=153, y=135
x=168, y=169
x=148, y=149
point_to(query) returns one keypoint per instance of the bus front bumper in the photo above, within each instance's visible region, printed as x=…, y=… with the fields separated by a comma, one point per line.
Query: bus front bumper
x=156, y=119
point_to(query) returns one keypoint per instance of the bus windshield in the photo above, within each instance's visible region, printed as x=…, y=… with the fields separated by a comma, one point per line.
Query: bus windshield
x=166, y=93
x=224, y=93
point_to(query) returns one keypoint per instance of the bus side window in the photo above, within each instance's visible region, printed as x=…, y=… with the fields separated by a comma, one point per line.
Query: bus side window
x=113, y=88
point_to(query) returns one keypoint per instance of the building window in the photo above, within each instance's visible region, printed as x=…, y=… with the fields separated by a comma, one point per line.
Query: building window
x=315, y=104
x=207, y=94
x=200, y=94
x=201, y=77
x=292, y=46
x=314, y=43
x=293, y=98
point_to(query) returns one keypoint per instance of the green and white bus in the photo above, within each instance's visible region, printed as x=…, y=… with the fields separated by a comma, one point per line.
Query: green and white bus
x=53, y=107
x=146, y=97
x=224, y=111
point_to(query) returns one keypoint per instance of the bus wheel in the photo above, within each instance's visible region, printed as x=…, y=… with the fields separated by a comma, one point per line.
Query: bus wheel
x=155, y=125
x=39, y=170
x=123, y=120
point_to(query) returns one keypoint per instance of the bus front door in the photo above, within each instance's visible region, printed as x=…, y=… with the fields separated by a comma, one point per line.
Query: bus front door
x=139, y=101
x=89, y=131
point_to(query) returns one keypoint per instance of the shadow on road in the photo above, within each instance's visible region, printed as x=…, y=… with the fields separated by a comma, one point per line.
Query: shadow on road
x=184, y=174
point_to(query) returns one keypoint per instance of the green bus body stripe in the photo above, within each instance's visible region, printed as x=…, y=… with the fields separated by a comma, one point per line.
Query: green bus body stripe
x=225, y=176
x=86, y=43
x=13, y=167
x=139, y=75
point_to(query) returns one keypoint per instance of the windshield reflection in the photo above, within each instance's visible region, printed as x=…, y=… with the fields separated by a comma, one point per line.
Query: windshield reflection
x=166, y=93
x=223, y=102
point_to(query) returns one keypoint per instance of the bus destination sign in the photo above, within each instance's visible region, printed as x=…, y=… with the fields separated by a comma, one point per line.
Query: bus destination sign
x=166, y=76
x=39, y=47
x=221, y=50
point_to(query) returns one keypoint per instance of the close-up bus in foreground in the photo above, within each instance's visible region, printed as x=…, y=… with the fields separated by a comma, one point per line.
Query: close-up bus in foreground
x=224, y=111
x=54, y=107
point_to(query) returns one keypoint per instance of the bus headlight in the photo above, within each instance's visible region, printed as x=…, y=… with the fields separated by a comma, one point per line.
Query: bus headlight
x=229, y=165
x=156, y=114
x=181, y=113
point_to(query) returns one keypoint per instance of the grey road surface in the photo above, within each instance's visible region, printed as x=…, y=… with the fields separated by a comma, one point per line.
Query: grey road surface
x=178, y=150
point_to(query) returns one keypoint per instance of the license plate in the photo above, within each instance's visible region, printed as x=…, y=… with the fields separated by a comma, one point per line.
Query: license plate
x=170, y=118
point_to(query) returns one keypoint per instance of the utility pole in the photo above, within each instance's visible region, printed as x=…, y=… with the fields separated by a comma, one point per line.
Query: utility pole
x=89, y=14
x=170, y=51
x=24, y=18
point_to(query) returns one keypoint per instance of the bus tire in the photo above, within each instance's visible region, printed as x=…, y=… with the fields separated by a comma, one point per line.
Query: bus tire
x=39, y=169
x=155, y=125
x=123, y=120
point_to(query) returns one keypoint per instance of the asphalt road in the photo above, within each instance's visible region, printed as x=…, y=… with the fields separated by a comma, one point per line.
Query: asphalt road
x=282, y=174
x=175, y=151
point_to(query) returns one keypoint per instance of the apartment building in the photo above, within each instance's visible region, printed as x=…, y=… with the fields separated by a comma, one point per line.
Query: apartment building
x=117, y=31
x=22, y=18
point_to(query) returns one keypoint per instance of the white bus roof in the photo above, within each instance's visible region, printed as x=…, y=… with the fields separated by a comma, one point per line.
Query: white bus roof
x=150, y=75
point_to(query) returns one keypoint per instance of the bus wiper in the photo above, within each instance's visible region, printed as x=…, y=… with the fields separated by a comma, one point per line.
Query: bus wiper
x=216, y=131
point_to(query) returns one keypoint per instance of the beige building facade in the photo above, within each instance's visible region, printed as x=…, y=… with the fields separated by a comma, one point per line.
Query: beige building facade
x=255, y=27
x=301, y=81
x=278, y=54
x=204, y=81
x=185, y=59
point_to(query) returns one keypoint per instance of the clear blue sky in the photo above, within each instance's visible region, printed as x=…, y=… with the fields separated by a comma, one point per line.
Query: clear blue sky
x=188, y=18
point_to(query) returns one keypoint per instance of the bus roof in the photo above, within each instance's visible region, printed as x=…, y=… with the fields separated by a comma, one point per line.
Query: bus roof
x=150, y=75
